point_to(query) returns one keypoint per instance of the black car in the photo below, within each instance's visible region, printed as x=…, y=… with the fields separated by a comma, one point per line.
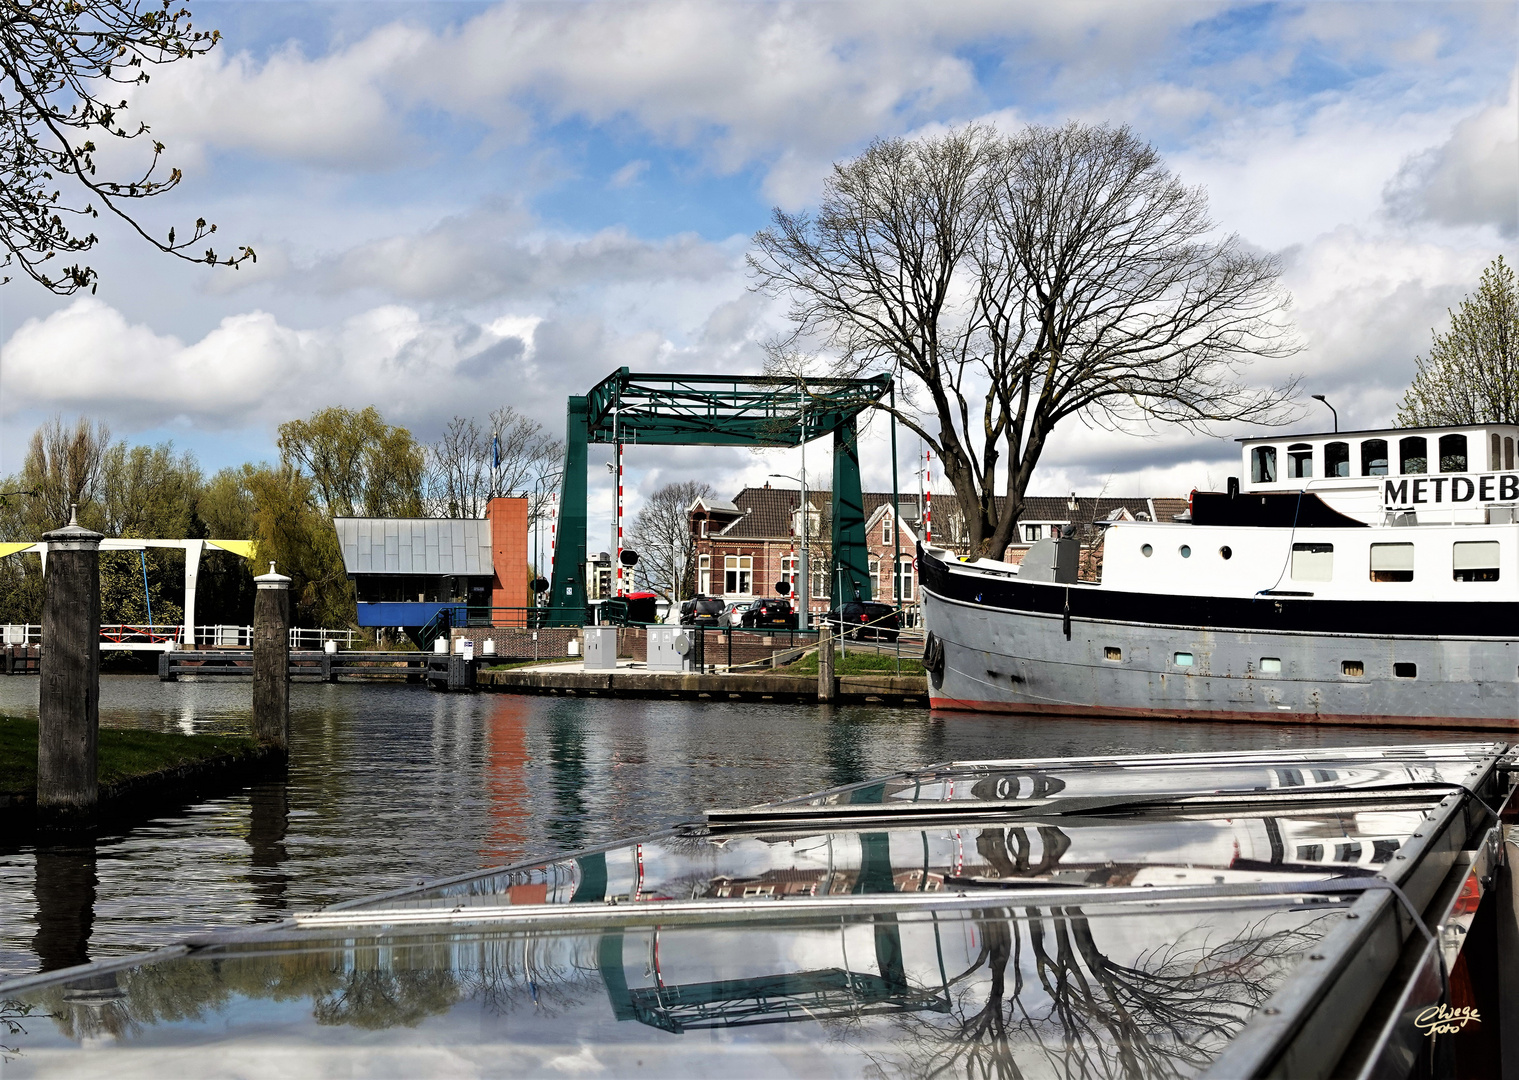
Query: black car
x=864, y=618
x=702, y=611
x=770, y=612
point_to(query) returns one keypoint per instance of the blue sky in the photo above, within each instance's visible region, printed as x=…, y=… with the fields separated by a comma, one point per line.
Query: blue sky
x=459, y=206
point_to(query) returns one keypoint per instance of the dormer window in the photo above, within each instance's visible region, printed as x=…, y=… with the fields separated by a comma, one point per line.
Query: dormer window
x=1300, y=461
x=1337, y=459
x=1263, y=465
x=1413, y=455
x=1452, y=453
x=1374, y=457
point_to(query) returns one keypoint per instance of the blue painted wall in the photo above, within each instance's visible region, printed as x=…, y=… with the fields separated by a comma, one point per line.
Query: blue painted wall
x=404, y=614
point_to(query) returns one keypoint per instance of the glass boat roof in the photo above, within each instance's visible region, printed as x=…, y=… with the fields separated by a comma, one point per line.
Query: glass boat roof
x=1058, y=934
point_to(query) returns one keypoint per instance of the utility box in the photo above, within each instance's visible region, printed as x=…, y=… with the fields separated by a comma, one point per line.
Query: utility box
x=601, y=648
x=670, y=648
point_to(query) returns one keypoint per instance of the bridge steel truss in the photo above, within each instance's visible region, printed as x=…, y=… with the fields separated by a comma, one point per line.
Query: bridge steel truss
x=637, y=408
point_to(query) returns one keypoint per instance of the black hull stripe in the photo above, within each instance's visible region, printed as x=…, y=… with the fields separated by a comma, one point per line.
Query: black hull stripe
x=1431, y=618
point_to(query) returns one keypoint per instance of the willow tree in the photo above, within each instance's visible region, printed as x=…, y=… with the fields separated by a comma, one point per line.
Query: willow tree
x=1472, y=373
x=63, y=67
x=1015, y=282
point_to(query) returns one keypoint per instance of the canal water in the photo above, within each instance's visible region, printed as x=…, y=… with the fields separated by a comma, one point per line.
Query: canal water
x=389, y=785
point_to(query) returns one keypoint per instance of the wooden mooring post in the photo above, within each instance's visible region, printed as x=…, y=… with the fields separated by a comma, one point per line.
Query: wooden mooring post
x=827, y=684
x=271, y=660
x=68, y=703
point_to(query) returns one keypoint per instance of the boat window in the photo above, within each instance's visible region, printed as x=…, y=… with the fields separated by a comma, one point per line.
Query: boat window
x=1413, y=454
x=1183, y=659
x=1495, y=456
x=1405, y=671
x=1263, y=465
x=1312, y=562
x=1337, y=459
x=1374, y=457
x=1186, y=551
x=1354, y=668
x=1392, y=562
x=1475, y=560
x=1310, y=853
x=1299, y=461
x=1226, y=552
x=1146, y=550
x=1452, y=453
x=1271, y=665
x=1508, y=453
x=1112, y=653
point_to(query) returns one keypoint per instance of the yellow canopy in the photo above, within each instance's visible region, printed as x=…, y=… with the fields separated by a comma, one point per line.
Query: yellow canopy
x=10, y=548
x=237, y=547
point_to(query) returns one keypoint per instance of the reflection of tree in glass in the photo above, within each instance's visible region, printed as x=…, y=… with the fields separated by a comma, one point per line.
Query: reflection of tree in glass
x=387, y=997
x=12, y=1012
x=1164, y=1015
x=534, y=971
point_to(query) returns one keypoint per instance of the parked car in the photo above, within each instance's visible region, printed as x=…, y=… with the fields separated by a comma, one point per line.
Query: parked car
x=770, y=612
x=702, y=611
x=733, y=614
x=864, y=618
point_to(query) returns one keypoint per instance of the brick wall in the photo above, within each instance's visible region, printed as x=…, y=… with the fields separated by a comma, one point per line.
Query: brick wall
x=508, y=518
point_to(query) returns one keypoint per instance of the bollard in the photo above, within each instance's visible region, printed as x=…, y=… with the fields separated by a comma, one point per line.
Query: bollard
x=68, y=704
x=825, y=664
x=271, y=660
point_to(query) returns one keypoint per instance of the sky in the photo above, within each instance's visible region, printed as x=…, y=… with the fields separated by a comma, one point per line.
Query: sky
x=458, y=206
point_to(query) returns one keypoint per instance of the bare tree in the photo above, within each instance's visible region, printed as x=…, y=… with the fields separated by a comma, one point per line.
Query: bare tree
x=471, y=464
x=62, y=468
x=1472, y=374
x=1020, y=281
x=661, y=534
x=58, y=61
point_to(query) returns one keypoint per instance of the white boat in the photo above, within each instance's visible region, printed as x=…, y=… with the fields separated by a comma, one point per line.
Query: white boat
x=1367, y=577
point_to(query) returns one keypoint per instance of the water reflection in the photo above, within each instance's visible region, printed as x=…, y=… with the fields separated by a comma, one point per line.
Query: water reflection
x=268, y=821
x=64, y=886
x=391, y=784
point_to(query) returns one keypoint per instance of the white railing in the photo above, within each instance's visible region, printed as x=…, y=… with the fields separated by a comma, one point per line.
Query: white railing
x=241, y=637
x=21, y=634
x=130, y=635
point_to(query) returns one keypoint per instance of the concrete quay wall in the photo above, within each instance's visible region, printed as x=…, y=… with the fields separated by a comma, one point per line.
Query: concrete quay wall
x=890, y=689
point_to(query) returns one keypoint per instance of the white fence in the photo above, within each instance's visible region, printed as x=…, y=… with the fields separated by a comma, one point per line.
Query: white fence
x=131, y=637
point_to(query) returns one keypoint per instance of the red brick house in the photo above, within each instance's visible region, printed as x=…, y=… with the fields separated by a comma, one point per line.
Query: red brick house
x=745, y=546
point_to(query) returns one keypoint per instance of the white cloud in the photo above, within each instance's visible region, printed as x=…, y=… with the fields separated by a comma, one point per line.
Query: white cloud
x=1470, y=179
x=629, y=174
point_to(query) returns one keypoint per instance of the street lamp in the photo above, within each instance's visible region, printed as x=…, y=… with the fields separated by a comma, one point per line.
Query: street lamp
x=803, y=597
x=1320, y=397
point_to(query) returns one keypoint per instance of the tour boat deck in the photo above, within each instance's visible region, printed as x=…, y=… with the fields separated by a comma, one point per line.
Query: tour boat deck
x=1231, y=914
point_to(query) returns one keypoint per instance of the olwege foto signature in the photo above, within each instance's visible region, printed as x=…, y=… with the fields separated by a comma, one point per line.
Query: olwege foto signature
x=1443, y=1020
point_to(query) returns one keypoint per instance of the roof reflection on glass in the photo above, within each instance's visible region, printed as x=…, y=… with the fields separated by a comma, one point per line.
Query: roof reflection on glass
x=845, y=862
x=1141, y=993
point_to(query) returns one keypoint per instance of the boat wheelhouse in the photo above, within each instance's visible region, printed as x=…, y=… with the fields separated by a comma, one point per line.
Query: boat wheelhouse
x=1347, y=577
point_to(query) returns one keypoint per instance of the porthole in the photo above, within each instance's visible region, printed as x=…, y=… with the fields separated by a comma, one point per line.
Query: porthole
x=1354, y=668
x=1186, y=552
x=1226, y=552
x=1182, y=659
x=1112, y=653
x=1271, y=665
x=1405, y=671
x=1147, y=551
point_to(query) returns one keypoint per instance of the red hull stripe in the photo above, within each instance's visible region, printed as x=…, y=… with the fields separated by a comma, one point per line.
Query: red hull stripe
x=1225, y=715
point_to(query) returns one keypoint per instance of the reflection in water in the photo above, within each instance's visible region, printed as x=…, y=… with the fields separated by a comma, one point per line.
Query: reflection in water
x=65, y=891
x=268, y=821
x=568, y=775
x=507, y=757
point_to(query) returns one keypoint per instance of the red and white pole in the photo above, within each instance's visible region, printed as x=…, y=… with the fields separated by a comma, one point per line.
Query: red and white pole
x=619, y=519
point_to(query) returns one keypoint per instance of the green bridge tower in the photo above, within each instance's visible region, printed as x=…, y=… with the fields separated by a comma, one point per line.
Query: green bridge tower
x=631, y=408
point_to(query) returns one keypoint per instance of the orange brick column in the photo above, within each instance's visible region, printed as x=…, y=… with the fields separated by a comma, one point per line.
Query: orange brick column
x=508, y=520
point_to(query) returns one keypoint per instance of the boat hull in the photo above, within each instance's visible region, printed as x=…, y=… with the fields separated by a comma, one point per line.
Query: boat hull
x=1043, y=657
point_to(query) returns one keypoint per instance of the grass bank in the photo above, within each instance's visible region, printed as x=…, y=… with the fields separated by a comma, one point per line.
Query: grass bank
x=858, y=663
x=125, y=757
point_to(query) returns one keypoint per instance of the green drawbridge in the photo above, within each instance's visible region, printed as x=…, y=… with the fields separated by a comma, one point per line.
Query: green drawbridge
x=635, y=409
